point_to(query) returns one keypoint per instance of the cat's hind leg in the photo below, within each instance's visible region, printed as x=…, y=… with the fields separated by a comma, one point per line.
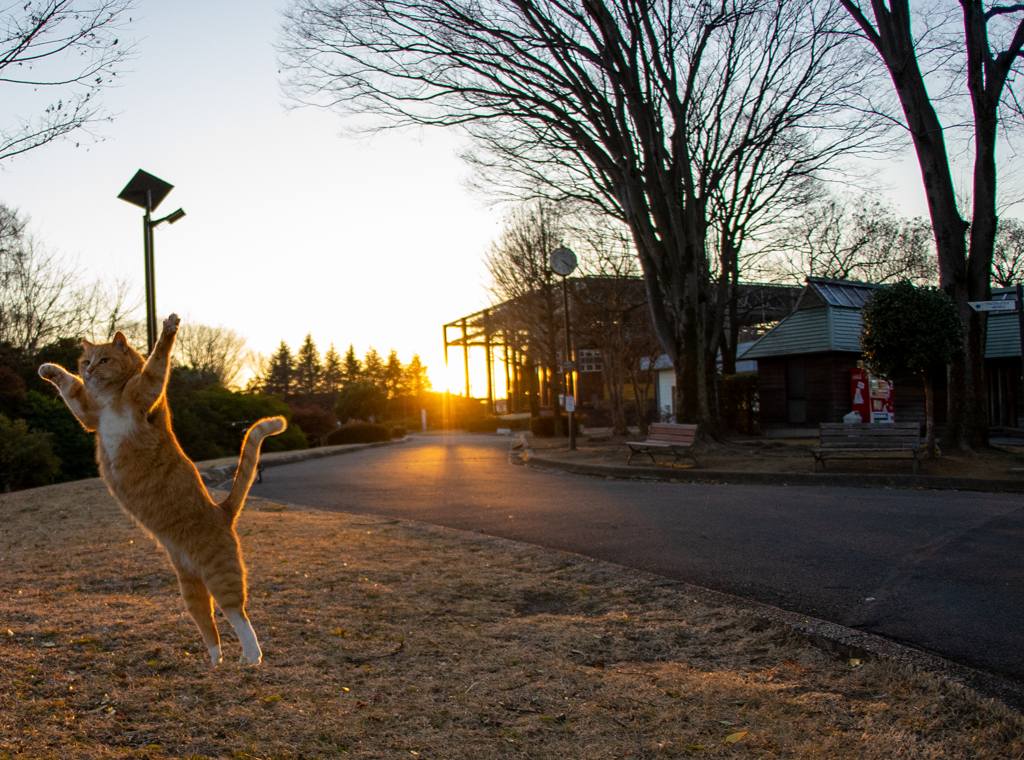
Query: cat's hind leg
x=199, y=603
x=227, y=585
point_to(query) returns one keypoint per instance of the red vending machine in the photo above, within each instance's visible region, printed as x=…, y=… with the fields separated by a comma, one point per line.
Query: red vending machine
x=871, y=397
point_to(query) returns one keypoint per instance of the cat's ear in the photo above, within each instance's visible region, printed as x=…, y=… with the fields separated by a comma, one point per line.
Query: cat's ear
x=86, y=345
x=120, y=341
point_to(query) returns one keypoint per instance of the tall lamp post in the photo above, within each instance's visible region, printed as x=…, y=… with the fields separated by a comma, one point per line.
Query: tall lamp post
x=563, y=262
x=147, y=192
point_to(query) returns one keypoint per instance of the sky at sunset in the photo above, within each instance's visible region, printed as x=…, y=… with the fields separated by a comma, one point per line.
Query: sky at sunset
x=291, y=228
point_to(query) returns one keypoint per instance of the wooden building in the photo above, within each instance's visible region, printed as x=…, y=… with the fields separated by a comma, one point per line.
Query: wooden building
x=804, y=362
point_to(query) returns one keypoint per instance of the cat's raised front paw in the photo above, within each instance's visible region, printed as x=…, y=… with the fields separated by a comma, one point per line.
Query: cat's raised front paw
x=50, y=372
x=171, y=324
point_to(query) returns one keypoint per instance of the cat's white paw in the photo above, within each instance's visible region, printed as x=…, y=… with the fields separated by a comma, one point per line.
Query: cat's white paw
x=256, y=659
x=50, y=372
x=215, y=657
x=171, y=324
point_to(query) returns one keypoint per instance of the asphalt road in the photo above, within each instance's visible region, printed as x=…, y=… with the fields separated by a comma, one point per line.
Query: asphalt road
x=942, y=571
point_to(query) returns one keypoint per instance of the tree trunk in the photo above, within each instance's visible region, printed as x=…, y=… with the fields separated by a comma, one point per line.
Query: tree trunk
x=929, y=411
x=640, y=401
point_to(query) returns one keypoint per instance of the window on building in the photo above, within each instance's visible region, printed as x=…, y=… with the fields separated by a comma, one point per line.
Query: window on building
x=589, y=360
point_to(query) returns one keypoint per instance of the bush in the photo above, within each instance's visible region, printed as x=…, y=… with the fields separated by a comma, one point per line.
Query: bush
x=202, y=421
x=484, y=425
x=26, y=456
x=544, y=427
x=12, y=392
x=314, y=422
x=360, y=401
x=398, y=431
x=75, y=448
x=359, y=432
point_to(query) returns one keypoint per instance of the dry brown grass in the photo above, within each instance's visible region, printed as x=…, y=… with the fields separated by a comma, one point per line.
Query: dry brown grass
x=392, y=640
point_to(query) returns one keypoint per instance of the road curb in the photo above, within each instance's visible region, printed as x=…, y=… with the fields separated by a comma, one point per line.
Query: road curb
x=818, y=479
x=217, y=475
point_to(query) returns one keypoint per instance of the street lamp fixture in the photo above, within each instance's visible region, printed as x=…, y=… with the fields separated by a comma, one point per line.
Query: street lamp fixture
x=563, y=262
x=147, y=192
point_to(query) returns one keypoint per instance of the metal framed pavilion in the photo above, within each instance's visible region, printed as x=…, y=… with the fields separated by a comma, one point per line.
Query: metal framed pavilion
x=490, y=329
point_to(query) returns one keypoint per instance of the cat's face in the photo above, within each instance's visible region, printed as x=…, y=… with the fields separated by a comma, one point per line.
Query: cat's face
x=105, y=366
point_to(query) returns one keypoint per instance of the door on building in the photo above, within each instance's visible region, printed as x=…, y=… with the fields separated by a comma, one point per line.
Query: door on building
x=796, y=390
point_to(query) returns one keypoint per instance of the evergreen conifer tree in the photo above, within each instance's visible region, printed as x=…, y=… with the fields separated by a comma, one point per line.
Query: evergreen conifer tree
x=373, y=368
x=352, y=372
x=308, y=368
x=416, y=380
x=334, y=375
x=281, y=373
x=393, y=375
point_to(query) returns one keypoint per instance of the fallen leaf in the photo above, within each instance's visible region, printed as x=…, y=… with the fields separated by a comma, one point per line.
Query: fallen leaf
x=854, y=663
x=733, y=738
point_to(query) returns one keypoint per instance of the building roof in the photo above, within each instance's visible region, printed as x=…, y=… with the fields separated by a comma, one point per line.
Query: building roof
x=826, y=318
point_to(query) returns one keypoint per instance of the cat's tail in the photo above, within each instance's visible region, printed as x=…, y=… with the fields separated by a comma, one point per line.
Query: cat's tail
x=246, y=471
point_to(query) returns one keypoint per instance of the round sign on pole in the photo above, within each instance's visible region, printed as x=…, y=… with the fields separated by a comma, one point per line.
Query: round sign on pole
x=563, y=261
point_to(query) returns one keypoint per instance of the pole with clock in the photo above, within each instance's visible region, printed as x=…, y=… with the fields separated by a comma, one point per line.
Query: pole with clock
x=563, y=262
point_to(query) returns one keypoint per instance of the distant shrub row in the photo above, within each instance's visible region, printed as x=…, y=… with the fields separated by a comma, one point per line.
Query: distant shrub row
x=364, y=432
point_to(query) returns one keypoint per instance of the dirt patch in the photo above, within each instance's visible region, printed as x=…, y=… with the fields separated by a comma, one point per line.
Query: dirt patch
x=392, y=640
x=793, y=455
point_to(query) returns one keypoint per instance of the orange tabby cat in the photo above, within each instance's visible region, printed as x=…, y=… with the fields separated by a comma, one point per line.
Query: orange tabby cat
x=122, y=396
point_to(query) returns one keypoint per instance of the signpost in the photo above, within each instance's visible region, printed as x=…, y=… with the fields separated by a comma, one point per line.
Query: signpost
x=1016, y=305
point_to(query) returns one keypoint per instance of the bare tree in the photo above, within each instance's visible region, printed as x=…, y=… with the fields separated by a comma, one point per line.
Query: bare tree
x=218, y=350
x=70, y=46
x=643, y=108
x=852, y=239
x=972, y=60
x=521, y=278
x=1008, y=254
x=610, y=309
x=45, y=295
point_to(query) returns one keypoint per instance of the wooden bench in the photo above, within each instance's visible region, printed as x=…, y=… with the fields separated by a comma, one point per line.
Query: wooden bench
x=665, y=438
x=862, y=440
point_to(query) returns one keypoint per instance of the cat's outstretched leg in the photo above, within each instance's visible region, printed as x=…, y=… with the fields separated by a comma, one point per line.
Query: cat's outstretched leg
x=153, y=379
x=72, y=389
x=199, y=604
x=246, y=635
x=227, y=584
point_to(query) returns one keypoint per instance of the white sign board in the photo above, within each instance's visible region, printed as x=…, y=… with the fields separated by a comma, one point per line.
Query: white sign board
x=993, y=305
x=570, y=403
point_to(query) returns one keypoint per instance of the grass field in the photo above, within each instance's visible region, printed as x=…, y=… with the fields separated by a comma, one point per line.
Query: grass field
x=394, y=640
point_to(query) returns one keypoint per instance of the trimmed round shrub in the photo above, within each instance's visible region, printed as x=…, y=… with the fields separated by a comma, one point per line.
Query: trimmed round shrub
x=359, y=432
x=397, y=431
